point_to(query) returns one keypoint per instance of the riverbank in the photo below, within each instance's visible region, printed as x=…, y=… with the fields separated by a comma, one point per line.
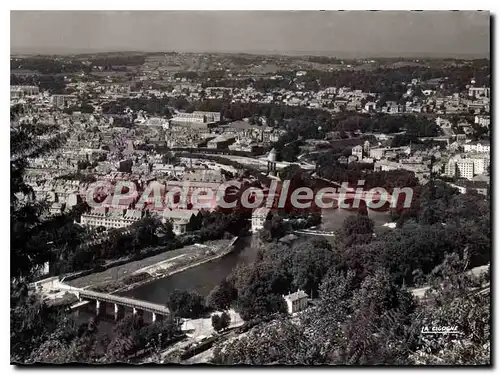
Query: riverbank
x=161, y=265
x=201, y=279
x=135, y=273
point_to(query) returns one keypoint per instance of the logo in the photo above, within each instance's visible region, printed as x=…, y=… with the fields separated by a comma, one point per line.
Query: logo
x=440, y=330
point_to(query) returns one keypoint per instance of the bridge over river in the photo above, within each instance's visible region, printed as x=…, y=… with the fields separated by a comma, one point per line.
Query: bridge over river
x=119, y=302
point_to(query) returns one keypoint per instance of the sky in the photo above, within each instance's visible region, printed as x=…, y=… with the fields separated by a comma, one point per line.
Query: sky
x=332, y=33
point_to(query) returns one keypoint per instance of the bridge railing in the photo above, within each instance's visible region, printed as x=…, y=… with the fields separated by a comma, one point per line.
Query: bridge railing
x=124, y=301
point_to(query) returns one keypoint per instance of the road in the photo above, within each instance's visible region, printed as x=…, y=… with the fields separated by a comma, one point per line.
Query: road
x=476, y=272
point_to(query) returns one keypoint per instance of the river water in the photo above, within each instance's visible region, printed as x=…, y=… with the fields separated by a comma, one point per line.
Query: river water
x=203, y=278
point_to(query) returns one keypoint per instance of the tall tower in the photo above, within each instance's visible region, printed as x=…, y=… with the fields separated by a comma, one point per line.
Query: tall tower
x=271, y=162
x=366, y=149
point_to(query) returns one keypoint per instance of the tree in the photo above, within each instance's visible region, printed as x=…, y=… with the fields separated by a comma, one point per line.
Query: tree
x=358, y=224
x=186, y=304
x=273, y=229
x=278, y=343
x=456, y=300
x=309, y=264
x=380, y=328
x=28, y=250
x=169, y=158
x=159, y=334
x=221, y=297
x=32, y=320
x=221, y=322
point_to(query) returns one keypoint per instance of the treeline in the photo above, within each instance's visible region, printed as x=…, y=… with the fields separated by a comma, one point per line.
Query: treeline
x=46, y=65
x=144, y=238
x=323, y=60
x=114, y=62
x=329, y=167
x=51, y=83
x=390, y=82
x=419, y=126
x=153, y=105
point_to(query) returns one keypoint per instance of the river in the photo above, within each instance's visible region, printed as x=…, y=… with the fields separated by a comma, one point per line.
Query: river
x=203, y=278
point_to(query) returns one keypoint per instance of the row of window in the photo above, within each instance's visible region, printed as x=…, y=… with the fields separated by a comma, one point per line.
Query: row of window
x=117, y=223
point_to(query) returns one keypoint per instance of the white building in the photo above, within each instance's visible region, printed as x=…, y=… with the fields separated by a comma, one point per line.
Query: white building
x=481, y=165
x=479, y=91
x=296, y=301
x=478, y=147
x=199, y=117
x=259, y=216
x=169, y=169
x=358, y=151
x=465, y=168
x=179, y=219
x=482, y=120
x=111, y=217
x=21, y=91
x=450, y=169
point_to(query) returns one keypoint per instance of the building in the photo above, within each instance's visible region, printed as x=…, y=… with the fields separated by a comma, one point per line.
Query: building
x=480, y=187
x=204, y=175
x=221, y=142
x=483, y=121
x=358, y=151
x=179, y=227
x=271, y=162
x=17, y=92
x=196, y=119
x=156, y=121
x=56, y=208
x=477, y=147
x=352, y=159
x=479, y=92
x=450, y=168
x=481, y=164
x=61, y=100
x=296, y=301
x=465, y=168
x=370, y=107
x=366, y=148
x=377, y=153
x=169, y=169
x=259, y=217
x=111, y=217
x=179, y=219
